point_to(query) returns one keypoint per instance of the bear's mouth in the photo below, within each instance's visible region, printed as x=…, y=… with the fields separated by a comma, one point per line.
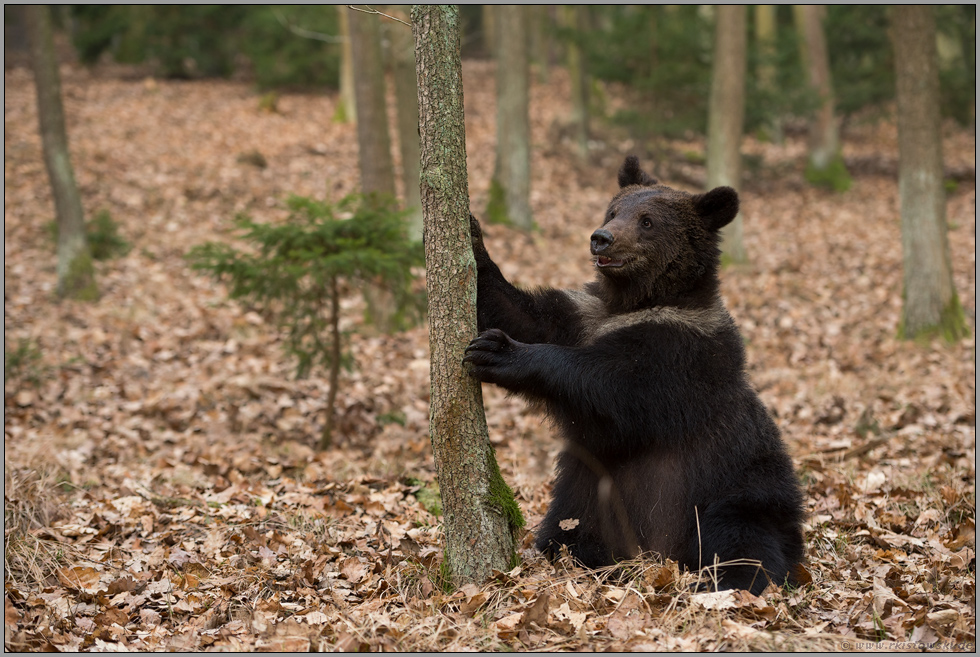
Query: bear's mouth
x=603, y=262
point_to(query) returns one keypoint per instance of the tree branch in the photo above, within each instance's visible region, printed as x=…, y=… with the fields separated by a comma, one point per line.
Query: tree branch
x=306, y=34
x=375, y=11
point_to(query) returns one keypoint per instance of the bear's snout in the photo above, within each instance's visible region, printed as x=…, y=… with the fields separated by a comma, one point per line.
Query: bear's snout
x=602, y=239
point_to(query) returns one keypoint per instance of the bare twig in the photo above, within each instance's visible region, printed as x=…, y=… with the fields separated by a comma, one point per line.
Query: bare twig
x=697, y=521
x=861, y=450
x=307, y=34
x=375, y=11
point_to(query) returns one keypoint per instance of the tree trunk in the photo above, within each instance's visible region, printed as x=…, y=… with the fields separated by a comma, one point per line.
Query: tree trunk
x=407, y=95
x=540, y=40
x=347, y=109
x=931, y=304
x=76, y=274
x=726, y=113
x=826, y=166
x=765, y=34
x=574, y=19
x=510, y=188
x=16, y=49
x=479, y=510
x=373, y=142
x=488, y=17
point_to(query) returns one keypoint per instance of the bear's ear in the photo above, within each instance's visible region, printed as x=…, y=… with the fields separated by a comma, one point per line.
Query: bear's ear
x=716, y=208
x=631, y=174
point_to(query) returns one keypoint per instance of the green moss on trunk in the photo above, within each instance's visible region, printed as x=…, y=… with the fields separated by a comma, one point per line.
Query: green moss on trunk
x=952, y=325
x=501, y=497
x=497, y=205
x=79, y=280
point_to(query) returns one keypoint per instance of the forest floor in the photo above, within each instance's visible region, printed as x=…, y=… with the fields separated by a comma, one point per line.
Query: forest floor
x=162, y=490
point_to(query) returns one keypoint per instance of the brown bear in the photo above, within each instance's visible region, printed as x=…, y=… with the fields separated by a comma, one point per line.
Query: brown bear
x=668, y=448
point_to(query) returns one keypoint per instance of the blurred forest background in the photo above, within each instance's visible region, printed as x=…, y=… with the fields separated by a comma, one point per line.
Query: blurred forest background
x=170, y=482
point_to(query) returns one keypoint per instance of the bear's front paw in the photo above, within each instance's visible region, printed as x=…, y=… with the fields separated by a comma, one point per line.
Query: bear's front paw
x=491, y=355
x=487, y=347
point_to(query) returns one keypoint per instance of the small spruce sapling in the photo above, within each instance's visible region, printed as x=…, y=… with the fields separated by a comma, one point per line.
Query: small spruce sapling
x=295, y=271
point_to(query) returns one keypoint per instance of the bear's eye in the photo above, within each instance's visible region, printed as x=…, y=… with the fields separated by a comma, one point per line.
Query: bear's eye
x=646, y=222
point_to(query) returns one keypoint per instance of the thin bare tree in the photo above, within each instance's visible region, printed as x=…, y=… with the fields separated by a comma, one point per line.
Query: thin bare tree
x=826, y=165
x=510, y=188
x=930, y=301
x=373, y=140
x=726, y=116
x=347, y=109
x=406, y=95
x=574, y=19
x=765, y=35
x=76, y=273
x=479, y=511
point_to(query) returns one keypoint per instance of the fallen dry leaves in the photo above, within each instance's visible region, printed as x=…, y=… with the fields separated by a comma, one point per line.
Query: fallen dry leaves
x=161, y=492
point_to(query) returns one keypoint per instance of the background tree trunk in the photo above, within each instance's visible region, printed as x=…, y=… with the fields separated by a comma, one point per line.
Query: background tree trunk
x=574, y=19
x=931, y=304
x=76, y=274
x=488, y=18
x=765, y=34
x=407, y=96
x=347, y=109
x=726, y=114
x=16, y=48
x=510, y=188
x=826, y=166
x=373, y=142
x=478, y=507
x=540, y=40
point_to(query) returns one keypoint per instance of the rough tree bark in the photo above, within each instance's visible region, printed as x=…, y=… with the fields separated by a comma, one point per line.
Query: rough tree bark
x=726, y=114
x=931, y=305
x=373, y=142
x=479, y=511
x=510, y=188
x=76, y=273
x=826, y=165
x=406, y=94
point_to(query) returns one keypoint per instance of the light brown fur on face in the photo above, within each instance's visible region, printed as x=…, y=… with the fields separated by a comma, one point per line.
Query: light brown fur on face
x=654, y=248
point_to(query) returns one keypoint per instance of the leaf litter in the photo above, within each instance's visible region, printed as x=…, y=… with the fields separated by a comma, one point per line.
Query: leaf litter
x=161, y=489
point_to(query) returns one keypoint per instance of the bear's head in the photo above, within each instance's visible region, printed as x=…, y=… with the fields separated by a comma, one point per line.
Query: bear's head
x=659, y=245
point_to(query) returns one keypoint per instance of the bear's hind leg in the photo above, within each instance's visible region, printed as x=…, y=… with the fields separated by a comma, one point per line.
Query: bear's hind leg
x=749, y=553
x=577, y=517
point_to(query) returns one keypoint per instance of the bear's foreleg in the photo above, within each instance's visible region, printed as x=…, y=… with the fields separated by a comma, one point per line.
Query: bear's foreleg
x=601, y=395
x=546, y=315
